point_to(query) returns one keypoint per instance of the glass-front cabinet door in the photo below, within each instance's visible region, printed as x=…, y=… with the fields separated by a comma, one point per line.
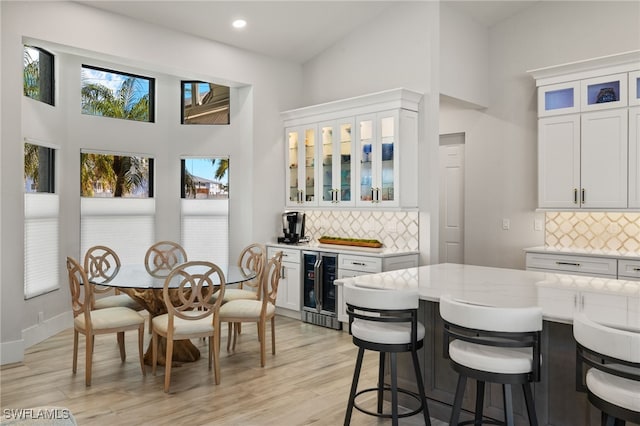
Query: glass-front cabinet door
x=337, y=156
x=377, y=172
x=301, y=154
x=634, y=88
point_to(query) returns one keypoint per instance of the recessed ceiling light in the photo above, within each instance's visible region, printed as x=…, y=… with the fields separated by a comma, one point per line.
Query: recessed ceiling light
x=239, y=23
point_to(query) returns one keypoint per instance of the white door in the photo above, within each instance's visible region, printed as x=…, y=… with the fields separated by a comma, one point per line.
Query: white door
x=451, y=198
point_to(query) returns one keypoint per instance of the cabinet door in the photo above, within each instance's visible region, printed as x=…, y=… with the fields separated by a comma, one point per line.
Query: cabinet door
x=301, y=157
x=378, y=160
x=605, y=308
x=634, y=157
x=556, y=99
x=342, y=306
x=603, y=159
x=336, y=155
x=559, y=161
x=634, y=88
x=289, y=287
x=604, y=92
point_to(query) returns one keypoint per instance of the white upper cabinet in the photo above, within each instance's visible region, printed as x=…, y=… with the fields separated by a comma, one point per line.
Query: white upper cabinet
x=587, y=133
x=356, y=152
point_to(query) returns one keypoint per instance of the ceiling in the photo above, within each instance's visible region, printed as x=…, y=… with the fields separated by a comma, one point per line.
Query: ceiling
x=289, y=30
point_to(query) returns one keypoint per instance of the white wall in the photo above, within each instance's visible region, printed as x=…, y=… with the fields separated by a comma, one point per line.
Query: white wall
x=464, y=57
x=501, y=144
x=262, y=88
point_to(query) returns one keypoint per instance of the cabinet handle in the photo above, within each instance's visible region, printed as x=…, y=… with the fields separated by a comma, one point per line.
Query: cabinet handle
x=575, y=300
x=568, y=263
x=575, y=195
x=300, y=196
x=358, y=263
x=582, y=302
x=282, y=276
x=636, y=269
x=583, y=197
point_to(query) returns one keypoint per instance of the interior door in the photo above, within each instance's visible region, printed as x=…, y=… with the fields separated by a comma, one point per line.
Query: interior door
x=451, y=247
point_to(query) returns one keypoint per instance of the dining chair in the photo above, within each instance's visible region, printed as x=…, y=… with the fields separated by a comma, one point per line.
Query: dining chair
x=191, y=313
x=91, y=322
x=612, y=380
x=258, y=311
x=101, y=265
x=162, y=257
x=496, y=345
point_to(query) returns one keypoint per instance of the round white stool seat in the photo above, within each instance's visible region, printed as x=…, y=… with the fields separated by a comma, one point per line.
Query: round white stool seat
x=385, y=333
x=616, y=390
x=492, y=359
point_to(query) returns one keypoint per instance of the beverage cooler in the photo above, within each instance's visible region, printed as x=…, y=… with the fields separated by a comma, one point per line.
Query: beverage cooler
x=319, y=303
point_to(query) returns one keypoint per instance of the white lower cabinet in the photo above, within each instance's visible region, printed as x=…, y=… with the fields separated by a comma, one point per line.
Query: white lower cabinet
x=289, y=287
x=569, y=264
x=350, y=265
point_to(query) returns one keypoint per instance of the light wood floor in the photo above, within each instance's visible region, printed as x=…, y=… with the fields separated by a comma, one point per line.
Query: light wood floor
x=305, y=383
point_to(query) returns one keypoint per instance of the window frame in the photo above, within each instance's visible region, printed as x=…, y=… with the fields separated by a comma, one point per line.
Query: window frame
x=152, y=91
x=183, y=103
x=46, y=86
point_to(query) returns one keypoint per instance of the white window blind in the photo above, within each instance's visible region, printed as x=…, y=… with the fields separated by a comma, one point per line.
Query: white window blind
x=41, y=247
x=205, y=230
x=126, y=225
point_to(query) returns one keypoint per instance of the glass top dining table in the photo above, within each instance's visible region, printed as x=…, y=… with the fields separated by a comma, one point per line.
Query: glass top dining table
x=147, y=290
x=136, y=276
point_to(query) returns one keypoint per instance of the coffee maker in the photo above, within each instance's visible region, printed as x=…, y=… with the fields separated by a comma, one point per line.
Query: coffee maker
x=292, y=228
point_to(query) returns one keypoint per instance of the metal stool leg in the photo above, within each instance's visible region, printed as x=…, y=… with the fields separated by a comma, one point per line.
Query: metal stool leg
x=457, y=404
x=508, y=404
x=479, y=402
x=423, y=398
x=394, y=389
x=528, y=400
x=381, y=382
x=354, y=387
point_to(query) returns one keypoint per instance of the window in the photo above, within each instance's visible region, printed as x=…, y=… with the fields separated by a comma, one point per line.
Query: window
x=39, y=168
x=37, y=73
x=107, y=175
x=115, y=94
x=117, y=208
x=205, y=208
x=41, y=221
x=204, y=103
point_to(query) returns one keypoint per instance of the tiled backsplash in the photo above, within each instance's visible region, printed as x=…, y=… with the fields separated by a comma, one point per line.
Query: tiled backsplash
x=398, y=231
x=606, y=231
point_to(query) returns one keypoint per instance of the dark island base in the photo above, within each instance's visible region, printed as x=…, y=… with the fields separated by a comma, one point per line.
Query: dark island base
x=556, y=399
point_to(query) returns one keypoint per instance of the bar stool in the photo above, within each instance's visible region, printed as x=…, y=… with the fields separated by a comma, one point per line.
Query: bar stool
x=385, y=321
x=491, y=344
x=612, y=382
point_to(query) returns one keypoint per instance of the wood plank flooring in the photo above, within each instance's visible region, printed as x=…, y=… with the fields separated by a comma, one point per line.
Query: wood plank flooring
x=306, y=383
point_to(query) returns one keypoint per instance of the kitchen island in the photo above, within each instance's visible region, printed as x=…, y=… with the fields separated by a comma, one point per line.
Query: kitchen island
x=611, y=301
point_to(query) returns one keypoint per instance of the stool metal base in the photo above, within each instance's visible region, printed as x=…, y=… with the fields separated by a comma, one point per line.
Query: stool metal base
x=388, y=415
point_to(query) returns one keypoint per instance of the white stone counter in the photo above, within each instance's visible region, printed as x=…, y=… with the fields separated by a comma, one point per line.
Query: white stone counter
x=611, y=301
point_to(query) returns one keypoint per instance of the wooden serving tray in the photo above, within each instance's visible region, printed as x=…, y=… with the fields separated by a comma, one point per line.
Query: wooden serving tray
x=350, y=243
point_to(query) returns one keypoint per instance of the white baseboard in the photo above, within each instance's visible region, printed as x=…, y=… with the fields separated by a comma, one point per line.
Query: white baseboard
x=12, y=352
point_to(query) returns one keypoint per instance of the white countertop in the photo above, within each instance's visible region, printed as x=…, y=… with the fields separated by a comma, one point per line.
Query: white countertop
x=583, y=252
x=616, y=302
x=335, y=248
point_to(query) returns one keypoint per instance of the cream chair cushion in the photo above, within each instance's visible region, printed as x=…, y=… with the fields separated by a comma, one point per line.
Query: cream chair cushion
x=244, y=308
x=235, y=294
x=183, y=326
x=102, y=319
x=385, y=333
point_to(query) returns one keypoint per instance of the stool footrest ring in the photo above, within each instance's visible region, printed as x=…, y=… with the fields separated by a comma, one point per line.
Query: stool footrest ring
x=388, y=415
x=482, y=422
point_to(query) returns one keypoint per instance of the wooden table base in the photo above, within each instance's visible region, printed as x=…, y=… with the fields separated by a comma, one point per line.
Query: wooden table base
x=183, y=351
